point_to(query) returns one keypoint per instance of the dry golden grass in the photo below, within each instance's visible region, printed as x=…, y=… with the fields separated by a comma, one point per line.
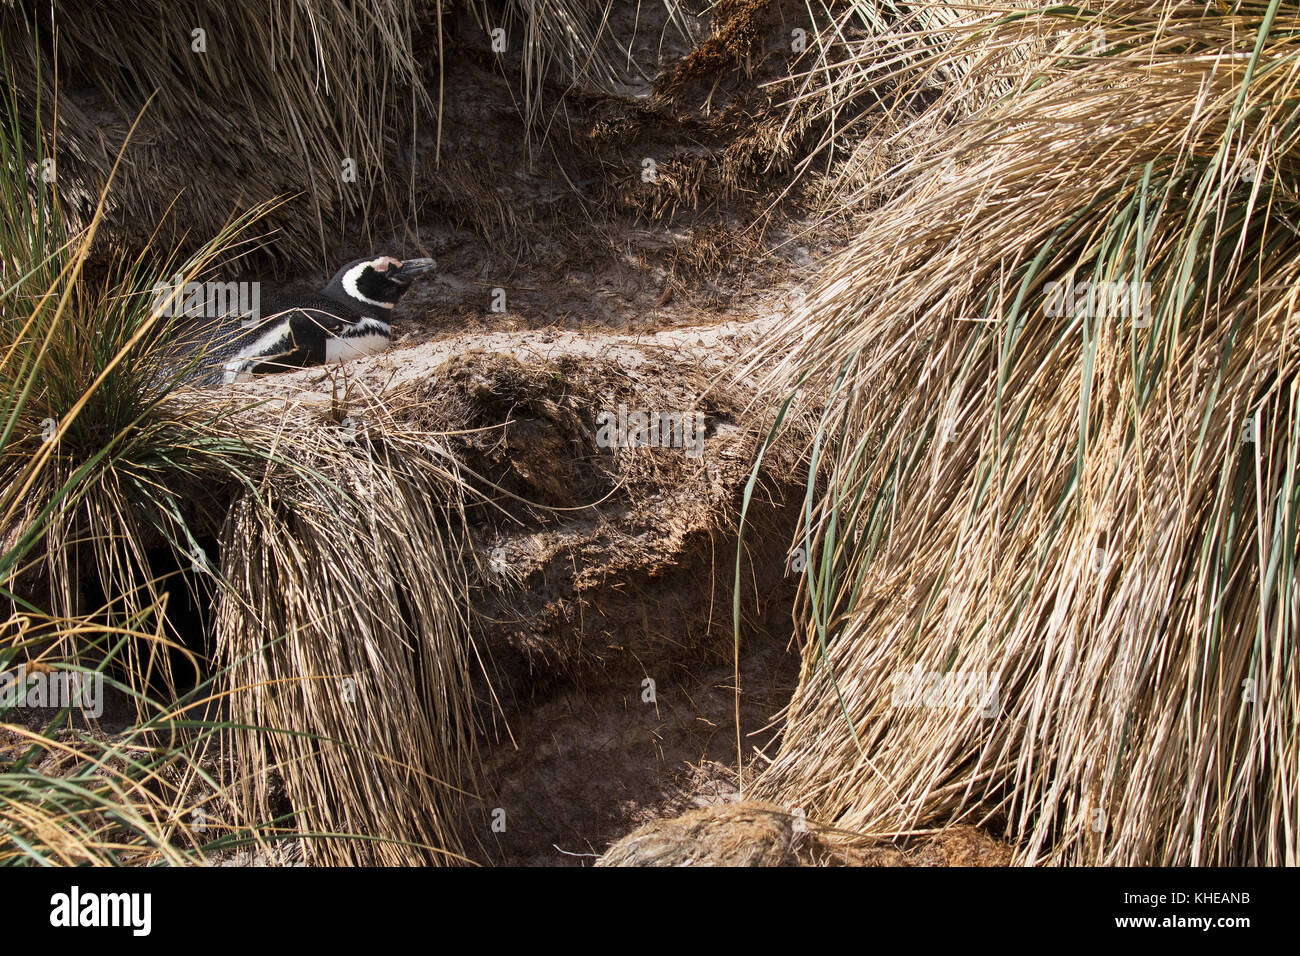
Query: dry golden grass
x=338, y=561
x=1064, y=506
x=343, y=617
x=754, y=833
x=279, y=97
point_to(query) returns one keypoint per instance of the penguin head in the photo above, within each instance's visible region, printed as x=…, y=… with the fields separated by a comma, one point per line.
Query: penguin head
x=376, y=282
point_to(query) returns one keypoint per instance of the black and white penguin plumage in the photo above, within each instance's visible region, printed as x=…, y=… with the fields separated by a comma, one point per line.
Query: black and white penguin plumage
x=350, y=317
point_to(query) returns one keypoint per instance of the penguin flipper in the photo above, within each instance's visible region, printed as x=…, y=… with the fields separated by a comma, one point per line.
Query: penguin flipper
x=310, y=330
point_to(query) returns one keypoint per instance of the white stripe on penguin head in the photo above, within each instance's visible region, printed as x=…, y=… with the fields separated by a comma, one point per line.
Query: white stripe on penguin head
x=353, y=275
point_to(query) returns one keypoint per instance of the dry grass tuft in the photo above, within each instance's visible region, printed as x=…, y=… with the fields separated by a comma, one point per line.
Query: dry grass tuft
x=343, y=617
x=1052, y=577
x=73, y=795
x=281, y=95
x=742, y=27
x=338, y=562
x=747, y=834
x=754, y=833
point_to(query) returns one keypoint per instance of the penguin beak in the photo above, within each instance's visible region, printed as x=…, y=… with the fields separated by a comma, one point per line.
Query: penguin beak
x=411, y=268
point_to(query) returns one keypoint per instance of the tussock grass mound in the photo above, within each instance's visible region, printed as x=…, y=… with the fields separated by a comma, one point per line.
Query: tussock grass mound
x=329, y=576
x=1052, y=536
x=267, y=102
x=71, y=795
x=343, y=617
x=754, y=833
x=327, y=547
x=324, y=108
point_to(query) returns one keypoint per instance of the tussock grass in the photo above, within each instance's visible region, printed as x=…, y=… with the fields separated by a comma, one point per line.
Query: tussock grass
x=321, y=107
x=337, y=560
x=97, y=464
x=72, y=794
x=1063, y=505
x=281, y=95
x=343, y=616
x=559, y=40
x=68, y=794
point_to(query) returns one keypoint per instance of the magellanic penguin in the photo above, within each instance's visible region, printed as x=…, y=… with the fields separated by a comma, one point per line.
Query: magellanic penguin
x=348, y=318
